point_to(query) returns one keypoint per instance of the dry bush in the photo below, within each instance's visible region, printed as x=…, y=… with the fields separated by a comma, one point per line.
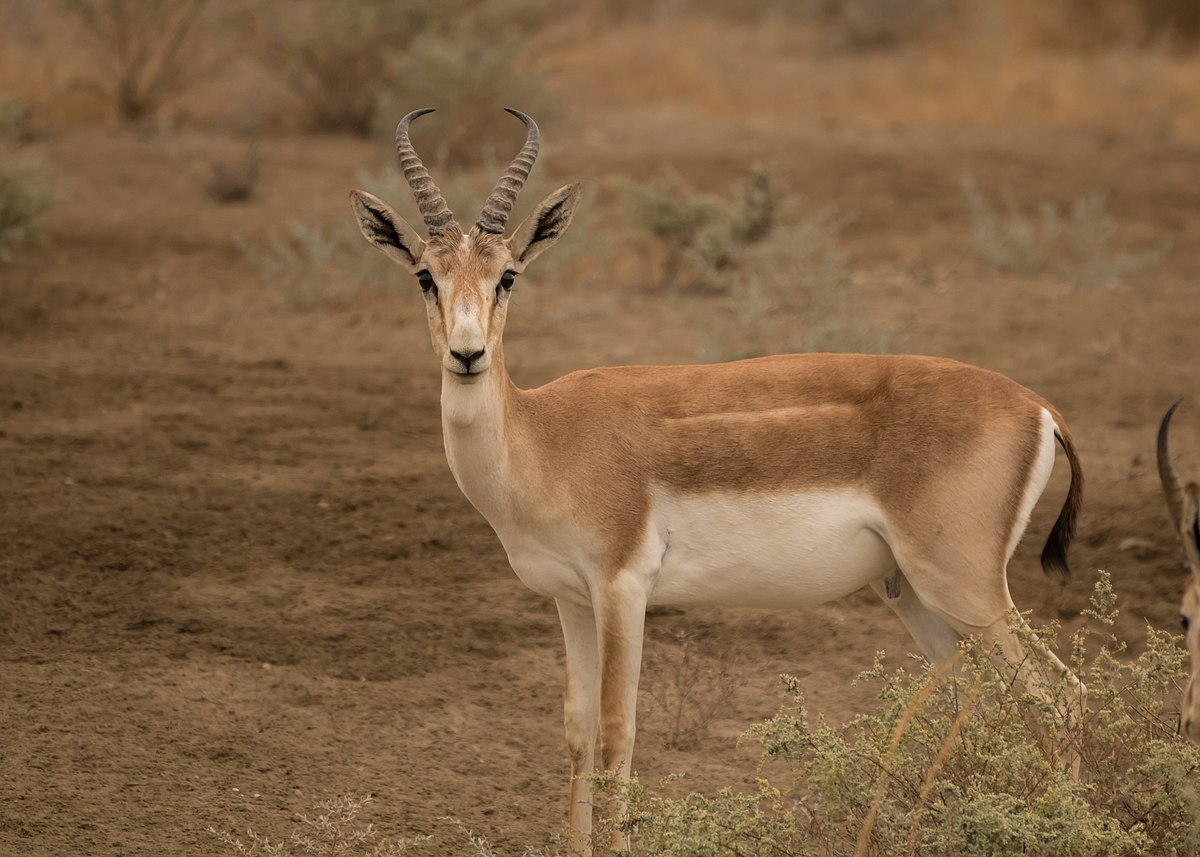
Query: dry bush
x=1176, y=20
x=470, y=75
x=874, y=24
x=145, y=46
x=709, y=233
x=1087, y=26
x=14, y=120
x=313, y=262
x=24, y=198
x=1074, y=242
x=796, y=292
x=688, y=686
x=233, y=179
x=333, y=831
x=358, y=66
x=337, y=58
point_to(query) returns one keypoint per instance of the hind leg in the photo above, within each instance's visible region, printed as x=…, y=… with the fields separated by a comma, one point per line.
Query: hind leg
x=1019, y=654
x=1048, y=676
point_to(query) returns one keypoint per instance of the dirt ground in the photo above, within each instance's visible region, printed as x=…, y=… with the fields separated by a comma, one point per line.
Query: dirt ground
x=236, y=575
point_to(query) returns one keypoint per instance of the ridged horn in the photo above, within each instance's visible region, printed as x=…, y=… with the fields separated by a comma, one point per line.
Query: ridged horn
x=430, y=202
x=1172, y=487
x=504, y=196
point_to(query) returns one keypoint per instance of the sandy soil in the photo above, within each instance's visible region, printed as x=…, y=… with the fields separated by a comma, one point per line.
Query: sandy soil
x=236, y=574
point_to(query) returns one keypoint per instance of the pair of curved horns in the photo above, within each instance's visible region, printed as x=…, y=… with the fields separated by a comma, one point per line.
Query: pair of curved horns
x=499, y=204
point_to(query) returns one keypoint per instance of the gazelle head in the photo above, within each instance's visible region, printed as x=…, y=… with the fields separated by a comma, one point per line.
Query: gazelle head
x=466, y=279
x=1183, y=501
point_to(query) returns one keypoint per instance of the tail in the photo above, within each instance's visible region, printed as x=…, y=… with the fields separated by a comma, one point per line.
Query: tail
x=1054, y=554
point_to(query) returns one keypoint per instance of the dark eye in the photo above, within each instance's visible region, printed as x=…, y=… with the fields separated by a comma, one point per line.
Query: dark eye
x=427, y=285
x=506, y=282
x=1183, y=620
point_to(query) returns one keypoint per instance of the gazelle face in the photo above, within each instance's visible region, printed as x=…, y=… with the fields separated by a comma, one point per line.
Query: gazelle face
x=466, y=278
x=466, y=287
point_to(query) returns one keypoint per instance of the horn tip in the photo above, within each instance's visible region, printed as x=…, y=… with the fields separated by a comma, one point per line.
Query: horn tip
x=402, y=126
x=1170, y=412
x=524, y=117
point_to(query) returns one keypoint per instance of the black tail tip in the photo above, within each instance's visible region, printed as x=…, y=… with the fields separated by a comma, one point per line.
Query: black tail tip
x=1054, y=564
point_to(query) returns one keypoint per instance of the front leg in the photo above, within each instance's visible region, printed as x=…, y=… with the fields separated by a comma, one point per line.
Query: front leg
x=581, y=713
x=621, y=620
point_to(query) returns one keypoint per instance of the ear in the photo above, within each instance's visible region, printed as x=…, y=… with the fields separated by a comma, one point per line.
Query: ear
x=547, y=223
x=386, y=229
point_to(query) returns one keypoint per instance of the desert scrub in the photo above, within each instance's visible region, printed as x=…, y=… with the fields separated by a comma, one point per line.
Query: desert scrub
x=784, y=280
x=14, y=119
x=337, y=58
x=469, y=75
x=795, y=292
x=1075, y=242
x=24, y=198
x=963, y=763
x=357, y=66
x=688, y=684
x=707, y=232
x=233, y=179
x=333, y=831
x=145, y=46
x=857, y=25
x=312, y=261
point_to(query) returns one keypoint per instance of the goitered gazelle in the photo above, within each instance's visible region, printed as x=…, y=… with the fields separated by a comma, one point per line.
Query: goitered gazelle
x=1183, y=502
x=770, y=482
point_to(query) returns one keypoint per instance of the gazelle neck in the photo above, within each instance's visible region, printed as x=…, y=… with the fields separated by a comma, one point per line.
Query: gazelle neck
x=473, y=429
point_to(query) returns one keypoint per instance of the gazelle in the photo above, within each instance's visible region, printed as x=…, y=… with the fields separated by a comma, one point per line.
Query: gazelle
x=1183, y=502
x=770, y=482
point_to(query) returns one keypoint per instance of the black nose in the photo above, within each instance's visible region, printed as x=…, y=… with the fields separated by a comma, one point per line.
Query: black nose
x=467, y=358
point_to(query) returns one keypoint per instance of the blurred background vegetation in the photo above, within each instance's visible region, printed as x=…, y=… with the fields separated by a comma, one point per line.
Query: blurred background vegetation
x=268, y=65
x=650, y=78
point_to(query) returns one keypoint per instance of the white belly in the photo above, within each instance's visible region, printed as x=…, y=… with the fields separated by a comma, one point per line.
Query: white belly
x=766, y=550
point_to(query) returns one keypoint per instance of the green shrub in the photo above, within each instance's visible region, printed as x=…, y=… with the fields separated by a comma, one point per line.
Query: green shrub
x=963, y=764
x=358, y=66
x=14, y=119
x=795, y=292
x=338, y=58
x=314, y=261
x=1074, y=242
x=709, y=232
x=23, y=200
